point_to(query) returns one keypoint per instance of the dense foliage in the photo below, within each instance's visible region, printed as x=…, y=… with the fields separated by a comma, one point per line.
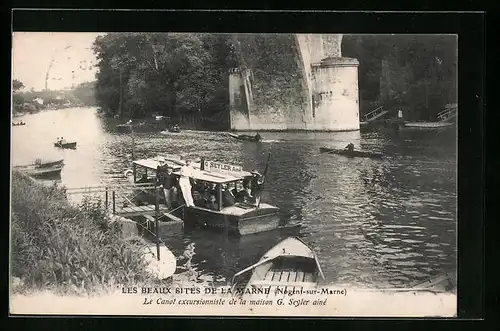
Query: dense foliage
x=69, y=249
x=187, y=74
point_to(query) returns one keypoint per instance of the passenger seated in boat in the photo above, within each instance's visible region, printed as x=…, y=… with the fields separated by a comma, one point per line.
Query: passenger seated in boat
x=258, y=137
x=242, y=191
x=227, y=196
x=212, y=203
x=350, y=147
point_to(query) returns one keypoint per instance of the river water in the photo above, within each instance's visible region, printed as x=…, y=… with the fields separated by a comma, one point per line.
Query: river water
x=373, y=223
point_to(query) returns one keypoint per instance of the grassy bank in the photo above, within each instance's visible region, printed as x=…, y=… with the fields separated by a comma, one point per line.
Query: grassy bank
x=68, y=249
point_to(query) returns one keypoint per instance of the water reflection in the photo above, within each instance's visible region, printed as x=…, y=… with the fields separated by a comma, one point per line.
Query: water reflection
x=389, y=222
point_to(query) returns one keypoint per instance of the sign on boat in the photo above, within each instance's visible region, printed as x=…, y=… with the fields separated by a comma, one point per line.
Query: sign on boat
x=221, y=167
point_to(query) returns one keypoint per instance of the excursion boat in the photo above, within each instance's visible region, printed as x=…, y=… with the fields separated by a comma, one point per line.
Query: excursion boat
x=291, y=264
x=246, y=137
x=240, y=218
x=354, y=153
x=66, y=145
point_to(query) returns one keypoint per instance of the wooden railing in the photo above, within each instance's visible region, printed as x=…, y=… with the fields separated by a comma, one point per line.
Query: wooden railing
x=447, y=114
x=377, y=112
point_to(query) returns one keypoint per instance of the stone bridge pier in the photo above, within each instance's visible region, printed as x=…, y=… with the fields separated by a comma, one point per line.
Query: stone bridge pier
x=325, y=97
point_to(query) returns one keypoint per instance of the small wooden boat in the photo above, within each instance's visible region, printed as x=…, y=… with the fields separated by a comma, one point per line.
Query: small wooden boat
x=47, y=164
x=18, y=123
x=355, y=153
x=41, y=172
x=291, y=264
x=124, y=128
x=246, y=137
x=67, y=145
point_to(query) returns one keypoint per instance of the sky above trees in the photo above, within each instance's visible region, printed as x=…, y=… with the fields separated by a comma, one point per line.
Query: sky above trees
x=70, y=53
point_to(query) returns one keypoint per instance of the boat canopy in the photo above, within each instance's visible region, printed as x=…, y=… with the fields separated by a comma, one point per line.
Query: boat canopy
x=207, y=175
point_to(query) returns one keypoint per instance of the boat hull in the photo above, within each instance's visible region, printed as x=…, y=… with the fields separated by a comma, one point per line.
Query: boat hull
x=42, y=173
x=255, y=221
x=50, y=164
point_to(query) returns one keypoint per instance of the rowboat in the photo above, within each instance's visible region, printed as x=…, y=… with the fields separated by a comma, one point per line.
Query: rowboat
x=246, y=137
x=290, y=264
x=124, y=128
x=18, y=124
x=70, y=145
x=427, y=125
x=355, y=153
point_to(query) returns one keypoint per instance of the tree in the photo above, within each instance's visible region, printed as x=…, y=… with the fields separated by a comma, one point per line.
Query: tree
x=171, y=73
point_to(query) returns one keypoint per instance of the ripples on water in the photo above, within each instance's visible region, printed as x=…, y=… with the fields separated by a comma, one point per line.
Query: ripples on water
x=373, y=223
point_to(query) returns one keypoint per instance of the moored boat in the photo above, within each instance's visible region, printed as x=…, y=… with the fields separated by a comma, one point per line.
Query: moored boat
x=291, y=264
x=348, y=153
x=18, y=123
x=41, y=172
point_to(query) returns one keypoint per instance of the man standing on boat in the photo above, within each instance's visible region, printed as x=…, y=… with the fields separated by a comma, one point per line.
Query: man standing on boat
x=169, y=182
x=185, y=183
x=256, y=186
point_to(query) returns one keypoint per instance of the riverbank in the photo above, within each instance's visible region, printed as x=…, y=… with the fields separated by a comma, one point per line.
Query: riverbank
x=69, y=250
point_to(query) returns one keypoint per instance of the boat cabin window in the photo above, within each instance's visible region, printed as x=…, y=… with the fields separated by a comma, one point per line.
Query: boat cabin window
x=210, y=195
x=144, y=175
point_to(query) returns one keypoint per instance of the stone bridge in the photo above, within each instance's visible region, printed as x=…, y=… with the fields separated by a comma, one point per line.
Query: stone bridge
x=293, y=82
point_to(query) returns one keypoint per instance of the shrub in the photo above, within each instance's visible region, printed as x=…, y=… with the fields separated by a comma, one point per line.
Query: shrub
x=66, y=248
